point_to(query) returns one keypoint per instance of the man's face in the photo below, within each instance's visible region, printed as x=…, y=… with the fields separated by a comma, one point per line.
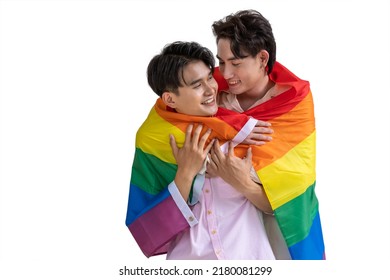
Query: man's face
x=243, y=75
x=197, y=96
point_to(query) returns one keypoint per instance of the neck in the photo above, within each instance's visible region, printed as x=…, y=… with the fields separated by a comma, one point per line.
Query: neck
x=248, y=98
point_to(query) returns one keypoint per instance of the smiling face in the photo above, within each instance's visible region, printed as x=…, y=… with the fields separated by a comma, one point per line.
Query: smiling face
x=197, y=96
x=244, y=75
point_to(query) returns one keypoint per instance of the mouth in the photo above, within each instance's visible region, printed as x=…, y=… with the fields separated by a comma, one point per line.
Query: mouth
x=233, y=82
x=208, y=101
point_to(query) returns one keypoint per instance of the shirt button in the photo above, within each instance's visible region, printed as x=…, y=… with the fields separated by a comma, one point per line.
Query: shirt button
x=213, y=231
x=191, y=219
x=207, y=190
x=209, y=212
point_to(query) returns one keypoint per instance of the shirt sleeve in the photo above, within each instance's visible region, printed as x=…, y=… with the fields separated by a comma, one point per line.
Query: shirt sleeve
x=158, y=219
x=182, y=204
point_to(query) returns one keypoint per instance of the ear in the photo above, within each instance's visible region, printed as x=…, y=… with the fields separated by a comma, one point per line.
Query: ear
x=263, y=56
x=169, y=99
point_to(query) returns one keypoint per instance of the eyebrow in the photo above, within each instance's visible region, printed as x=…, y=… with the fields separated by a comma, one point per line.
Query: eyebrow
x=198, y=80
x=230, y=58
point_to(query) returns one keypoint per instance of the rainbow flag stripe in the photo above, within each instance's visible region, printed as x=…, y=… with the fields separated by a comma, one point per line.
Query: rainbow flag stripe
x=285, y=166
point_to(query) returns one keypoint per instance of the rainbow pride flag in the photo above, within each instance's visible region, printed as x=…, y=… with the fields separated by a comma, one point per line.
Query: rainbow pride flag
x=285, y=166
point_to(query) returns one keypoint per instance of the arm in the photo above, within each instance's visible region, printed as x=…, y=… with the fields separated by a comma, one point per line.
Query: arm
x=236, y=172
x=154, y=219
x=190, y=157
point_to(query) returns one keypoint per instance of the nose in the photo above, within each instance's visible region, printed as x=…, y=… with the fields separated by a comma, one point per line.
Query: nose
x=211, y=87
x=226, y=71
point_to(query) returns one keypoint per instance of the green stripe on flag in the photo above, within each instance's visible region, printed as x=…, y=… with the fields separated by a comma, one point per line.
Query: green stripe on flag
x=296, y=224
x=150, y=173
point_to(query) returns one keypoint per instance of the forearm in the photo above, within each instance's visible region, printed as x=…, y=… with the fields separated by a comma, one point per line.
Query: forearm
x=183, y=181
x=256, y=195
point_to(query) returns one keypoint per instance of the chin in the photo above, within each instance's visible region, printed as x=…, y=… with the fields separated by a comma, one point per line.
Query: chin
x=233, y=91
x=214, y=112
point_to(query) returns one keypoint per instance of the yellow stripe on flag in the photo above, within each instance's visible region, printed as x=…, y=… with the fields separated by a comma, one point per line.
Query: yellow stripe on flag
x=290, y=176
x=149, y=138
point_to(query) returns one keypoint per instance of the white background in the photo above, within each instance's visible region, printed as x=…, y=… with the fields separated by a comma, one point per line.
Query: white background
x=74, y=91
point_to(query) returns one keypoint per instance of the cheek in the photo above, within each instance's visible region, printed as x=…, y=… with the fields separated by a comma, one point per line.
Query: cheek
x=215, y=109
x=214, y=84
x=246, y=76
x=192, y=101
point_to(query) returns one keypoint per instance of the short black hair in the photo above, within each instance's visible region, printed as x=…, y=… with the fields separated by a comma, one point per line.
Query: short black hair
x=249, y=33
x=165, y=70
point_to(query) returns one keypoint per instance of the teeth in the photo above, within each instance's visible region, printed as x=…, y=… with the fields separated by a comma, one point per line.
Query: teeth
x=233, y=82
x=208, y=101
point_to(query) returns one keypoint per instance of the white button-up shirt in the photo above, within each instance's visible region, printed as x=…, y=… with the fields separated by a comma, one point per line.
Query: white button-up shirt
x=223, y=225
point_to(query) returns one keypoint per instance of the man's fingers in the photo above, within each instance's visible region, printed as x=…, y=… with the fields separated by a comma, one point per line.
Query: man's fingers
x=209, y=146
x=231, y=149
x=195, y=137
x=172, y=142
x=263, y=130
x=216, y=152
x=249, y=154
x=188, y=133
x=261, y=137
x=204, y=138
x=254, y=142
x=211, y=168
x=263, y=123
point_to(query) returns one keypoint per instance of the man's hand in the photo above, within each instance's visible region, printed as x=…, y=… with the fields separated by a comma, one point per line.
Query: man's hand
x=190, y=157
x=236, y=172
x=232, y=169
x=260, y=134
